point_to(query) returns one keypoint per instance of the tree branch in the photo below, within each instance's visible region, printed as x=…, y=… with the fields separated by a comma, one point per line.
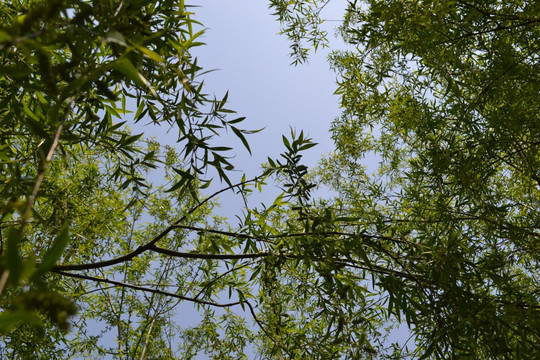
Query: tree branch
x=151, y=243
x=27, y=214
x=146, y=289
x=165, y=293
x=186, y=255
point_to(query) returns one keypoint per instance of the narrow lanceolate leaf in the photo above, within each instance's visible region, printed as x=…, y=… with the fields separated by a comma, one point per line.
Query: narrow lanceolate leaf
x=241, y=136
x=115, y=37
x=126, y=67
x=151, y=54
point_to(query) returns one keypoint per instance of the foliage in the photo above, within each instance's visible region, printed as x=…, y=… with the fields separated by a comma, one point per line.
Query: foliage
x=301, y=23
x=445, y=95
x=74, y=74
x=441, y=238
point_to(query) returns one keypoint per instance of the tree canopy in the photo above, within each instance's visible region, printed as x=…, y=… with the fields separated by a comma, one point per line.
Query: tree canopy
x=440, y=240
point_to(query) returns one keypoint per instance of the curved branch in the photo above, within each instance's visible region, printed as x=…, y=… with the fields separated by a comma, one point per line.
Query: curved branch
x=141, y=249
x=27, y=214
x=291, y=235
x=146, y=289
x=186, y=255
x=165, y=293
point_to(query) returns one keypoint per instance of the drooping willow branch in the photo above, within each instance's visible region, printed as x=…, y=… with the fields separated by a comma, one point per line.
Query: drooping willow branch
x=186, y=255
x=27, y=214
x=150, y=246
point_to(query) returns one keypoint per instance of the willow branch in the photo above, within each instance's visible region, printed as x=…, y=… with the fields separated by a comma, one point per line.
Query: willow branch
x=146, y=289
x=165, y=293
x=27, y=214
x=292, y=235
x=187, y=255
x=141, y=249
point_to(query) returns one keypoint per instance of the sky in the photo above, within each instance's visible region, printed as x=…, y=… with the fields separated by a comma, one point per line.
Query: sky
x=252, y=62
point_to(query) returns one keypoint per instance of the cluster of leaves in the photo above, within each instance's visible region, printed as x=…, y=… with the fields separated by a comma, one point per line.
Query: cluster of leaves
x=73, y=75
x=442, y=238
x=301, y=23
x=445, y=94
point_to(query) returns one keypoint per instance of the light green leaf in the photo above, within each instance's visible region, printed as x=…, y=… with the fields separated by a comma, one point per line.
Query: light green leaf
x=126, y=67
x=151, y=54
x=115, y=37
x=4, y=36
x=12, y=319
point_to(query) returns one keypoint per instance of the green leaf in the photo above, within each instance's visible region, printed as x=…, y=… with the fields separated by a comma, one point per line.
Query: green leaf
x=115, y=37
x=53, y=254
x=186, y=177
x=141, y=110
x=241, y=136
x=13, y=257
x=236, y=121
x=286, y=142
x=126, y=67
x=307, y=146
x=151, y=54
x=14, y=71
x=11, y=319
x=4, y=36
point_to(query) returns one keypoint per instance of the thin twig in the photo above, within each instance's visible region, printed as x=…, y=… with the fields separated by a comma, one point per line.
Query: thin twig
x=146, y=289
x=187, y=255
x=27, y=214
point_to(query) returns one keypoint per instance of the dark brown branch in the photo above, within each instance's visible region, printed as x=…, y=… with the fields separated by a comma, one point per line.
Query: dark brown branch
x=498, y=28
x=165, y=293
x=344, y=261
x=494, y=15
x=292, y=235
x=186, y=255
x=219, y=232
x=146, y=289
x=518, y=305
x=377, y=269
x=504, y=158
x=150, y=244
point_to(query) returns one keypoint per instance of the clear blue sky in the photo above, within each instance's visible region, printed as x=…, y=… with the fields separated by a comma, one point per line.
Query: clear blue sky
x=253, y=65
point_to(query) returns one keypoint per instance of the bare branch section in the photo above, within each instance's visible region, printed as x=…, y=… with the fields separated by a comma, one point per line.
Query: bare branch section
x=186, y=255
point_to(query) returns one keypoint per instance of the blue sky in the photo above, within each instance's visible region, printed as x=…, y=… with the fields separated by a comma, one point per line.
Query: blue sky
x=253, y=64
